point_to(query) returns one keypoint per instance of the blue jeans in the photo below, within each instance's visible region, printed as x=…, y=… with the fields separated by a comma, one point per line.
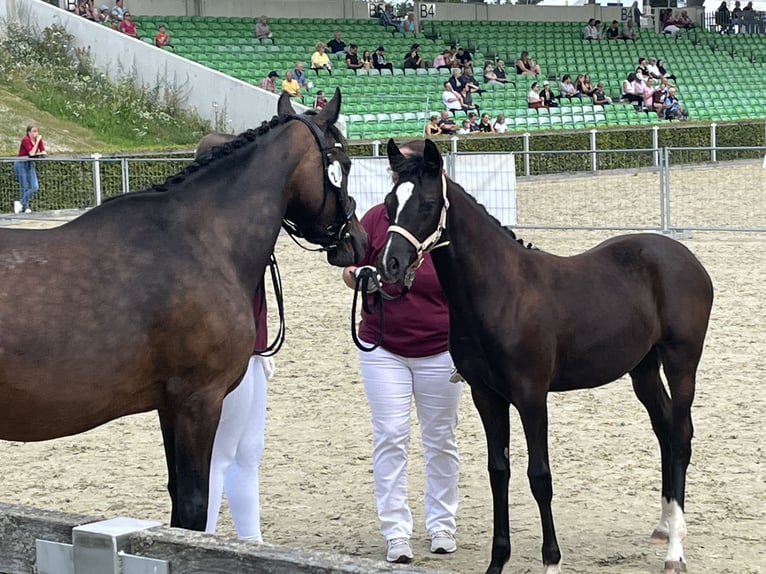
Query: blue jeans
x=27, y=176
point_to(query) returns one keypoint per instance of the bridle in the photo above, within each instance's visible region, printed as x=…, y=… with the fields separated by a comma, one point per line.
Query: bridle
x=429, y=243
x=333, y=179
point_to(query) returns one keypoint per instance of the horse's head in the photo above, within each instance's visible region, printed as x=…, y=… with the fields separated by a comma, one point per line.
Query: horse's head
x=319, y=207
x=417, y=210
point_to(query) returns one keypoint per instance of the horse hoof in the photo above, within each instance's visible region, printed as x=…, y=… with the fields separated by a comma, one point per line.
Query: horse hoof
x=659, y=537
x=674, y=567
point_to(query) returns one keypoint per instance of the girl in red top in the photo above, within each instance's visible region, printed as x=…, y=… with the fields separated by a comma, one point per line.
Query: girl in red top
x=127, y=26
x=412, y=363
x=31, y=146
x=162, y=39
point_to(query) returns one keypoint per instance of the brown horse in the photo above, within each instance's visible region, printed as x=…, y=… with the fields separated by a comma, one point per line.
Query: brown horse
x=145, y=302
x=524, y=322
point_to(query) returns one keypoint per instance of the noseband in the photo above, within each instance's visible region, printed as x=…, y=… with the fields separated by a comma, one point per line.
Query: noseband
x=432, y=241
x=332, y=182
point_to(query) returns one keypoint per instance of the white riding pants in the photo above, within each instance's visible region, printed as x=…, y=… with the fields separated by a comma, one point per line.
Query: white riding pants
x=391, y=382
x=237, y=452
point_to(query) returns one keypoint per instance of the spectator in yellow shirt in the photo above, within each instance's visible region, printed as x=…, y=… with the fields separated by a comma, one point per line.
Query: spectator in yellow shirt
x=291, y=86
x=320, y=60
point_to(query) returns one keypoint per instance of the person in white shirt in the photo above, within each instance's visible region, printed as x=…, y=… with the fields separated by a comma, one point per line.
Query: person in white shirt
x=500, y=126
x=653, y=70
x=450, y=99
x=533, y=97
x=567, y=88
x=466, y=129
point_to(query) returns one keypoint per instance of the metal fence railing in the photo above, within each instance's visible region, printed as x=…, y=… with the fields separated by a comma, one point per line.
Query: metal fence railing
x=663, y=189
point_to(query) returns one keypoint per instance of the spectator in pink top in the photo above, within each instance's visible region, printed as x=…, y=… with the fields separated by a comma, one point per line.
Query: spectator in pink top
x=412, y=363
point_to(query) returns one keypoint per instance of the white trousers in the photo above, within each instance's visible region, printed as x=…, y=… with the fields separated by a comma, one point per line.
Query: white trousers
x=237, y=452
x=391, y=382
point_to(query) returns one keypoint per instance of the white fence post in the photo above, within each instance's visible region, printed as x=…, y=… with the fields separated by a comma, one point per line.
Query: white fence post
x=713, y=138
x=526, y=153
x=656, y=145
x=376, y=148
x=96, y=177
x=593, y=152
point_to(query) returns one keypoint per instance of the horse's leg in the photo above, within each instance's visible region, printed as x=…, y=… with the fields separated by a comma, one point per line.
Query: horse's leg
x=168, y=442
x=679, y=361
x=533, y=411
x=495, y=418
x=650, y=391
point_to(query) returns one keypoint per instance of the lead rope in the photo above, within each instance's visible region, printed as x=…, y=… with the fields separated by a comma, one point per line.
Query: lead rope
x=276, y=280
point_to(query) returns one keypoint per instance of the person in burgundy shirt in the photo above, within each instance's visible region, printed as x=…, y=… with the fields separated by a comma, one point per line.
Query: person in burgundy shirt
x=412, y=362
x=239, y=440
x=127, y=26
x=31, y=146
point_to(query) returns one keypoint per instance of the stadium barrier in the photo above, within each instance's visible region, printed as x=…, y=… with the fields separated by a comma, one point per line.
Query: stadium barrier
x=49, y=542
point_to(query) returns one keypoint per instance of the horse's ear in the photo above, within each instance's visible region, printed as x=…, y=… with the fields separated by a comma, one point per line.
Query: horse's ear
x=284, y=107
x=395, y=156
x=329, y=114
x=432, y=158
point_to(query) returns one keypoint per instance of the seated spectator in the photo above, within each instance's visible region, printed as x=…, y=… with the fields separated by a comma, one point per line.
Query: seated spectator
x=118, y=11
x=446, y=124
x=127, y=26
x=352, y=60
x=629, y=31
x=485, y=125
x=663, y=72
x=465, y=128
x=453, y=101
x=489, y=75
x=658, y=98
x=673, y=30
x=320, y=100
x=641, y=68
x=387, y=17
x=583, y=85
x=466, y=94
x=104, y=15
x=440, y=61
x=550, y=100
x=463, y=57
x=408, y=25
x=473, y=125
x=291, y=86
x=649, y=103
x=366, y=60
x=599, y=97
x=534, y=100
x=262, y=31
x=673, y=108
x=591, y=31
x=567, y=88
x=456, y=80
x=320, y=60
x=500, y=126
x=269, y=82
x=336, y=45
x=379, y=60
x=432, y=127
x=300, y=76
x=525, y=66
x=162, y=39
x=467, y=79
x=629, y=90
x=652, y=70
x=412, y=59
x=613, y=32
x=500, y=74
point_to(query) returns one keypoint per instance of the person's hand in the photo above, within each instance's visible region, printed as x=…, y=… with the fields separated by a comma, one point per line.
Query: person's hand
x=269, y=368
x=455, y=376
x=373, y=277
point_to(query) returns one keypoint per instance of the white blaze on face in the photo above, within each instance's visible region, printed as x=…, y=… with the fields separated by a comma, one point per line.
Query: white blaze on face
x=403, y=195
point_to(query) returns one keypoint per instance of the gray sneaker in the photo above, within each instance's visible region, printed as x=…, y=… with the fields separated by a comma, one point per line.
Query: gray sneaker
x=398, y=550
x=443, y=542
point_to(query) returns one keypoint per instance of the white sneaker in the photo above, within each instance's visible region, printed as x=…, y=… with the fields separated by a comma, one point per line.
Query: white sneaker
x=17, y=207
x=27, y=210
x=398, y=550
x=443, y=542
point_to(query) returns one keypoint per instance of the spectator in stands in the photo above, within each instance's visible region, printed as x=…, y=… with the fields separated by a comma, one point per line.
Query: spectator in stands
x=432, y=127
x=673, y=108
x=467, y=79
x=291, y=86
x=127, y=26
x=591, y=31
x=567, y=88
x=162, y=39
x=489, y=75
x=379, y=60
x=446, y=124
x=118, y=11
x=465, y=128
x=582, y=84
x=652, y=70
x=500, y=126
x=723, y=18
x=300, y=76
x=663, y=72
x=500, y=74
x=440, y=61
x=485, y=124
x=320, y=60
x=262, y=31
x=366, y=60
x=269, y=82
x=629, y=90
x=649, y=103
x=629, y=31
x=547, y=96
x=412, y=59
x=473, y=124
x=613, y=32
x=534, y=100
x=466, y=94
x=452, y=101
x=336, y=45
x=736, y=16
x=599, y=96
x=463, y=57
x=456, y=80
x=320, y=100
x=685, y=22
x=387, y=17
x=636, y=14
x=104, y=16
x=526, y=66
x=352, y=60
x=641, y=68
x=408, y=25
